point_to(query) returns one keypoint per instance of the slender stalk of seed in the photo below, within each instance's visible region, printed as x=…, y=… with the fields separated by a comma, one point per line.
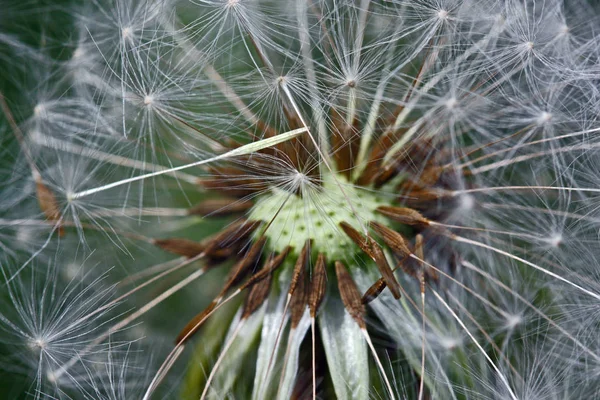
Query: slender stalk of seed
x=235, y=276
x=461, y=323
x=46, y=198
x=252, y=303
x=98, y=155
x=65, y=367
x=498, y=310
x=226, y=90
x=523, y=145
x=352, y=301
x=576, y=216
x=412, y=217
x=522, y=260
x=432, y=271
x=369, y=128
x=20, y=137
x=374, y=251
x=296, y=282
x=239, y=151
x=419, y=253
x=237, y=329
x=325, y=161
x=137, y=211
x=499, y=283
x=257, y=296
x=220, y=207
x=510, y=161
x=55, y=227
x=192, y=327
x=311, y=77
x=315, y=298
x=431, y=84
x=489, y=339
x=206, y=140
x=298, y=309
x=496, y=231
x=508, y=188
x=157, y=268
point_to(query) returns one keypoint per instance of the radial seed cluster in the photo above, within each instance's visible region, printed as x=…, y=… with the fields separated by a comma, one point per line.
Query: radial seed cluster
x=274, y=199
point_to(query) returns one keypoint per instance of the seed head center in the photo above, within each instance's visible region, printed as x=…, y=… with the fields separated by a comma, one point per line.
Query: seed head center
x=316, y=215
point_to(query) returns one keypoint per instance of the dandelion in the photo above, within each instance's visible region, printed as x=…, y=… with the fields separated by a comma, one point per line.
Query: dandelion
x=311, y=199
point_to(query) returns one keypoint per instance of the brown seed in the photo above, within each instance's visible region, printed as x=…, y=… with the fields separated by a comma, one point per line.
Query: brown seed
x=232, y=181
x=220, y=207
x=267, y=270
x=48, y=204
x=300, y=266
x=238, y=272
x=247, y=263
x=404, y=215
x=431, y=175
x=385, y=175
x=373, y=168
x=344, y=142
x=392, y=239
x=374, y=291
x=386, y=271
x=180, y=246
x=350, y=295
x=231, y=234
x=419, y=253
x=419, y=247
x=258, y=294
x=195, y=323
x=298, y=287
x=299, y=298
x=318, y=285
x=374, y=251
x=427, y=272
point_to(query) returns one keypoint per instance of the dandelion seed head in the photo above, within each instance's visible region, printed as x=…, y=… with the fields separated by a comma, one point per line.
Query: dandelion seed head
x=528, y=45
x=451, y=103
x=544, y=118
x=466, y=202
x=148, y=99
x=39, y=110
x=512, y=321
x=127, y=32
x=449, y=343
x=419, y=170
x=78, y=53
x=316, y=215
x=555, y=240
